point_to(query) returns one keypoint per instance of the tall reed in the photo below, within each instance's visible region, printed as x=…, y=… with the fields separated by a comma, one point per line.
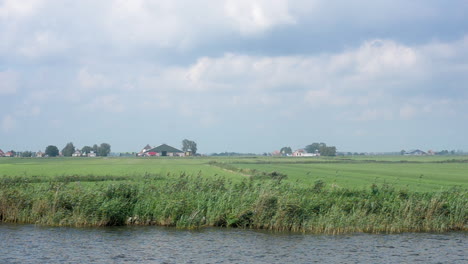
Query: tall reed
x=261, y=203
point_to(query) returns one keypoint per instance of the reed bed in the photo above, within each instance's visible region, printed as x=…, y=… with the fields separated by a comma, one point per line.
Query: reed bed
x=193, y=201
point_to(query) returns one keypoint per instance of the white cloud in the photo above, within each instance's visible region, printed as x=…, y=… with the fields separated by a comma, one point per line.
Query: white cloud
x=142, y=21
x=8, y=82
x=28, y=110
x=375, y=114
x=107, y=103
x=8, y=123
x=41, y=44
x=182, y=24
x=252, y=16
x=408, y=112
x=379, y=57
x=375, y=65
x=89, y=80
x=10, y=9
x=326, y=97
x=376, y=78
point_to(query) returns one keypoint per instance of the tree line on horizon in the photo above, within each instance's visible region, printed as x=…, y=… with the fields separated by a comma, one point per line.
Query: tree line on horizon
x=102, y=150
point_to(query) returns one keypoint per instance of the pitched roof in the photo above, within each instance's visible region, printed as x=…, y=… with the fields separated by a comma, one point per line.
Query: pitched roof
x=147, y=147
x=165, y=148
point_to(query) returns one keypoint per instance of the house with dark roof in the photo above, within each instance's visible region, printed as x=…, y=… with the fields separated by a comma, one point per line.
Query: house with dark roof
x=416, y=152
x=165, y=150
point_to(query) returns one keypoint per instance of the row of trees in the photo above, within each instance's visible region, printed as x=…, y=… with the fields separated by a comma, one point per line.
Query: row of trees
x=102, y=150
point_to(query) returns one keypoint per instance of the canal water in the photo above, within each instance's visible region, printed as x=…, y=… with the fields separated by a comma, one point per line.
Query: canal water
x=37, y=244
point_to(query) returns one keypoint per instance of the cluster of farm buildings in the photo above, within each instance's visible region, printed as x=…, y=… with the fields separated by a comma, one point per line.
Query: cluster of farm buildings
x=162, y=151
x=40, y=154
x=7, y=154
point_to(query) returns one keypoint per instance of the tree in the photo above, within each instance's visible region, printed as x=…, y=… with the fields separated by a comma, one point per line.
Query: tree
x=327, y=151
x=26, y=154
x=321, y=148
x=86, y=150
x=402, y=152
x=103, y=150
x=68, y=150
x=189, y=145
x=52, y=151
x=95, y=148
x=286, y=151
x=314, y=147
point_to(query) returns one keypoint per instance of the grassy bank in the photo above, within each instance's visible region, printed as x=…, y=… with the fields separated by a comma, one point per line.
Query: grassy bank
x=265, y=202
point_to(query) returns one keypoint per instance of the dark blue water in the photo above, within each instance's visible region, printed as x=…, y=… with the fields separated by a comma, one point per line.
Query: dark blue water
x=36, y=244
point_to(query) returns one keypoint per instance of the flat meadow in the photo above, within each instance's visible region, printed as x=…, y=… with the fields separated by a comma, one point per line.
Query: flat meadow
x=309, y=194
x=425, y=173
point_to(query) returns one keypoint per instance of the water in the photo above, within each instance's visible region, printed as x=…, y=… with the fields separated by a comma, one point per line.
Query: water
x=36, y=244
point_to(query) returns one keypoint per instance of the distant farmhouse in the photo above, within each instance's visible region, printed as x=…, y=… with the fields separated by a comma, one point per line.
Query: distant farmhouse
x=303, y=153
x=416, y=152
x=163, y=150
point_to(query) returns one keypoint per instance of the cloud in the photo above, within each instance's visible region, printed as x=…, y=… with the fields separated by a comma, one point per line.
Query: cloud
x=374, y=64
x=258, y=15
x=10, y=9
x=35, y=28
x=8, y=123
x=106, y=103
x=41, y=44
x=377, y=78
x=89, y=80
x=29, y=110
x=375, y=114
x=9, y=82
x=408, y=112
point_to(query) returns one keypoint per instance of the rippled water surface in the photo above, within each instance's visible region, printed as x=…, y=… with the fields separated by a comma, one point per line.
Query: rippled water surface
x=35, y=244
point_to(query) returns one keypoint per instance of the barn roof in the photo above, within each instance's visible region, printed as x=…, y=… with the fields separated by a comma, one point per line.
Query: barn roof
x=147, y=147
x=166, y=148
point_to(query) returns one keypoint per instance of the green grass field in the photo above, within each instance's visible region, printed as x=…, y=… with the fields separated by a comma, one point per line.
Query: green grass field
x=317, y=195
x=403, y=172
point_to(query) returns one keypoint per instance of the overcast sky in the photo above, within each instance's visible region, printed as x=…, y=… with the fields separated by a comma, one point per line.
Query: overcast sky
x=234, y=75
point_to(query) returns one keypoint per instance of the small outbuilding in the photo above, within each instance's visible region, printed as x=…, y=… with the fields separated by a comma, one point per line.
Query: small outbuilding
x=166, y=150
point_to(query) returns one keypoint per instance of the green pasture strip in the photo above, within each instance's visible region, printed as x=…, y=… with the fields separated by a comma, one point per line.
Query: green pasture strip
x=428, y=173
x=53, y=167
x=414, y=176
